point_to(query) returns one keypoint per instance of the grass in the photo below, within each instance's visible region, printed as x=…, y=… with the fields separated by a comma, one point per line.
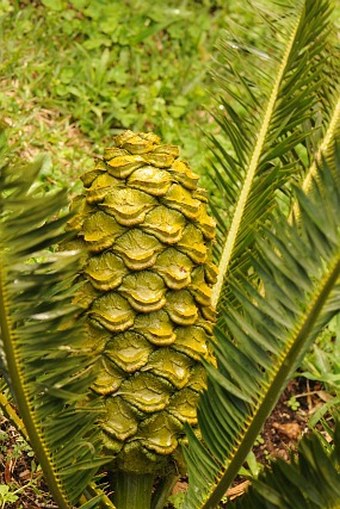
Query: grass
x=74, y=73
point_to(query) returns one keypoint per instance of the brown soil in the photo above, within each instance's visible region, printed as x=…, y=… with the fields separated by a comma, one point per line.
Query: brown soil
x=20, y=472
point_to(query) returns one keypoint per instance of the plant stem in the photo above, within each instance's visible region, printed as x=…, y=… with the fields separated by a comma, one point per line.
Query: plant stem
x=132, y=490
x=12, y=415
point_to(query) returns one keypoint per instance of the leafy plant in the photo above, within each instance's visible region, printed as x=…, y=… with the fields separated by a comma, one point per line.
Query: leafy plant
x=277, y=288
x=267, y=339
x=46, y=402
x=323, y=362
x=296, y=484
x=7, y=496
x=293, y=403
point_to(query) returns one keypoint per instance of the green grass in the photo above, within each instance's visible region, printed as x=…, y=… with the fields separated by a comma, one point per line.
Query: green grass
x=74, y=73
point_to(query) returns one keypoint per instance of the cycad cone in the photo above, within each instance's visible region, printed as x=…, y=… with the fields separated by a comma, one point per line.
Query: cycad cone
x=146, y=293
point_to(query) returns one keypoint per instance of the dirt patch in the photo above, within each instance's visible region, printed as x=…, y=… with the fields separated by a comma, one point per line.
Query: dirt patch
x=20, y=473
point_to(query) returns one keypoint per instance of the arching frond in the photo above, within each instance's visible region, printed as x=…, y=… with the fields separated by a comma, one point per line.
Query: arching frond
x=271, y=104
x=326, y=141
x=48, y=368
x=267, y=335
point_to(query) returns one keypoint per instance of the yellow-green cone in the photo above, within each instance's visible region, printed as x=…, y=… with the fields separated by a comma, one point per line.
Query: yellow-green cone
x=147, y=283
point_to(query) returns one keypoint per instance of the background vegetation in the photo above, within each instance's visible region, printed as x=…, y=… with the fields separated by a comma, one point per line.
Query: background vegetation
x=73, y=73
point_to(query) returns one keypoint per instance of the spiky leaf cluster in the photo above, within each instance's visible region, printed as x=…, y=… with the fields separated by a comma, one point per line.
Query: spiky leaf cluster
x=311, y=480
x=44, y=361
x=268, y=332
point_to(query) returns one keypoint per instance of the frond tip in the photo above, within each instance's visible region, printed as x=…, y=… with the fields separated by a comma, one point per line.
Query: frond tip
x=266, y=337
x=48, y=368
x=310, y=480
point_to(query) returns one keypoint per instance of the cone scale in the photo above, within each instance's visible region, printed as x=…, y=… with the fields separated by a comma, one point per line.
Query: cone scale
x=146, y=286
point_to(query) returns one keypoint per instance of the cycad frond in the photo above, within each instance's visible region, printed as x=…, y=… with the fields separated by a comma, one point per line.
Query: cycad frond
x=325, y=145
x=94, y=496
x=310, y=481
x=264, y=118
x=267, y=335
x=48, y=368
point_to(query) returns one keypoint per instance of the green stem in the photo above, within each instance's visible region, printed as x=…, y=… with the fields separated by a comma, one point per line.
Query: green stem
x=12, y=415
x=132, y=490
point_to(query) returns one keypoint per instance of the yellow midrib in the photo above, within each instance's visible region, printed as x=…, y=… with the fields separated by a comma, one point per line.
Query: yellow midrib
x=324, y=146
x=29, y=417
x=251, y=173
x=301, y=330
x=329, y=136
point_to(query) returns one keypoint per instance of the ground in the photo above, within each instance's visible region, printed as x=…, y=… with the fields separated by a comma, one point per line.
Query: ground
x=282, y=431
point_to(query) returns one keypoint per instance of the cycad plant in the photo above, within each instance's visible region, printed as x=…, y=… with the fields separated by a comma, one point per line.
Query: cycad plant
x=107, y=313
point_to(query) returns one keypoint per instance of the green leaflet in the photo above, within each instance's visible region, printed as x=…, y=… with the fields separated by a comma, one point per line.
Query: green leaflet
x=262, y=334
x=272, y=103
x=310, y=480
x=267, y=335
x=49, y=371
x=325, y=147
